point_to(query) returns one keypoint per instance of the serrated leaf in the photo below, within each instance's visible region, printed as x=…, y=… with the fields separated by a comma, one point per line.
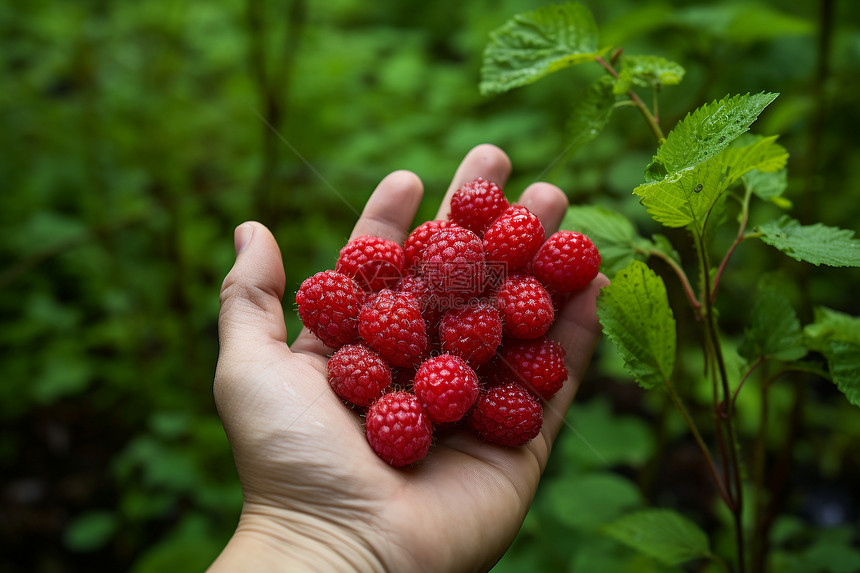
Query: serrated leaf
x=768, y=186
x=635, y=314
x=688, y=196
x=663, y=534
x=836, y=336
x=591, y=112
x=707, y=131
x=774, y=330
x=647, y=71
x=817, y=244
x=534, y=44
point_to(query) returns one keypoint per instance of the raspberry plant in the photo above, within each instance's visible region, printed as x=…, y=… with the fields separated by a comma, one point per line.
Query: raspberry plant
x=707, y=175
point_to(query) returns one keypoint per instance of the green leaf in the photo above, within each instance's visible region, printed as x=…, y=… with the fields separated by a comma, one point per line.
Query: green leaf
x=647, y=71
x=534, y=44
x=741, y=22
x=591, y=112
x=837, y=337
x=635, y=313
x=617, y=439
x=774, y=330
x=663, y=534
x=90, y=531
x=592, y=499
x=688, y=196
x=817, y=244
x=707, y=131
x=768, y=186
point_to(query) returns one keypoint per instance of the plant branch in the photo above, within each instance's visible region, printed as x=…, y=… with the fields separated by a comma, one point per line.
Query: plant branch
x=758, y=363
x=745, y=216
x=685, y=282
x=712, y=468
x=634, y=97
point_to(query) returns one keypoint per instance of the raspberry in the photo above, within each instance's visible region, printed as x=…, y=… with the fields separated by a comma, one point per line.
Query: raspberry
x=413, y=247
x=506, y=415
x=358, y=374
x=447, y=387
x=514, y=237
x=476, y=204
x=398, y=429
x=329, y=304
x=494, y=373
x=429, y=304
x=566, y=262
x=392, y=326
x=454, y=264
x=537, y=365
x=373, y=261
x=472, y=333
x=525, y=306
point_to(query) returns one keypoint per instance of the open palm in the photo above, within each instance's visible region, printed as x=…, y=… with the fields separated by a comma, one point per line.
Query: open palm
x=315, y=493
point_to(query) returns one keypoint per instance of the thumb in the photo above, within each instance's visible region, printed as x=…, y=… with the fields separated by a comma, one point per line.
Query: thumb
x=251, y=314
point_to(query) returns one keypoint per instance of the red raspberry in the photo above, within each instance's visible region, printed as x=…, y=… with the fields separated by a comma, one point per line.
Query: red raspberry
x=418, y=239
x=358, y=374
x=537, y=365
x=447, y=387
x=329, y=304
x=472, y=333
x=429, y=304
x=392, y=325
x=506, y=415
x=514, y=238
x=566, y=262
x=494, y=373
x=454, y=263
x=525, y=306
x=476, y=204
x=373, y=261
x=398, y=428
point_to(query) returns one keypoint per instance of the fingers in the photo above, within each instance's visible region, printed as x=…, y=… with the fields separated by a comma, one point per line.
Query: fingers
x=391, y=207
x=487, y=161
x=251, y=314
x=578, y=331
x=388, y=214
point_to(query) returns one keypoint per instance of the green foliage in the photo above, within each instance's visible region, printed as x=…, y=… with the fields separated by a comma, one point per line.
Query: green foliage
x=663, y=534
x=90, y=531
x=534, y=44
x=647, y=71
x=612, y=233
x=817, y=244
x=591, y=112
x=836, y=335
x=635, y=313
x=774, y=330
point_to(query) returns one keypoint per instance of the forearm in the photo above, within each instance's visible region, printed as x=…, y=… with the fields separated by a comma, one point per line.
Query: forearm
x=300, y=543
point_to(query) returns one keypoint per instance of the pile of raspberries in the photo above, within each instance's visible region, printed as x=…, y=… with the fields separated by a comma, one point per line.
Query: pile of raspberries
x=449, y=328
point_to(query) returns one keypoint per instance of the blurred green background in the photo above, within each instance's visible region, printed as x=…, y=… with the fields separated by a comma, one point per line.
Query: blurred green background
x=137, y=135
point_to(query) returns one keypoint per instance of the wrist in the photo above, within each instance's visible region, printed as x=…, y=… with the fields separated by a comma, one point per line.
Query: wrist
x=278, y=541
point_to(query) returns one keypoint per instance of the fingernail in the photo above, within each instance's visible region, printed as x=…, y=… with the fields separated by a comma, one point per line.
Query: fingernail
x=242, y=237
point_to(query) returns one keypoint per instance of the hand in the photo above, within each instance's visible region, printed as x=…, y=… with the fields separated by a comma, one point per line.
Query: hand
x=316, y=497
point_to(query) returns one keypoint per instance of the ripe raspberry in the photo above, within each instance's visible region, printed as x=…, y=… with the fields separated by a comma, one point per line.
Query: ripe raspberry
x=429, y=304
x=566, y=262
x=454, y=263
x=398, y=429
x=374, y=262
x=494, y=373
x=392, y=326
x=537, y=365
x=514, y=237
x=476, y=204
x=525, y=306
x=506, y=415
x=473, y=333
x=358, y=374
x=329, y=304
x=413, y=247
x=447, y=387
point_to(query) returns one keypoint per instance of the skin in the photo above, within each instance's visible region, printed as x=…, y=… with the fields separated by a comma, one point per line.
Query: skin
x=316, y=497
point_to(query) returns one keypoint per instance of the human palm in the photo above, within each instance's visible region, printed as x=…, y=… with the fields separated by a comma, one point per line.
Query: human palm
x=315, y=493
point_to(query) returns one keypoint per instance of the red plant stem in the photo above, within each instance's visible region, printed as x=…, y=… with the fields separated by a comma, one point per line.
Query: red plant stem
x=646, y=113
x=758, y=363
